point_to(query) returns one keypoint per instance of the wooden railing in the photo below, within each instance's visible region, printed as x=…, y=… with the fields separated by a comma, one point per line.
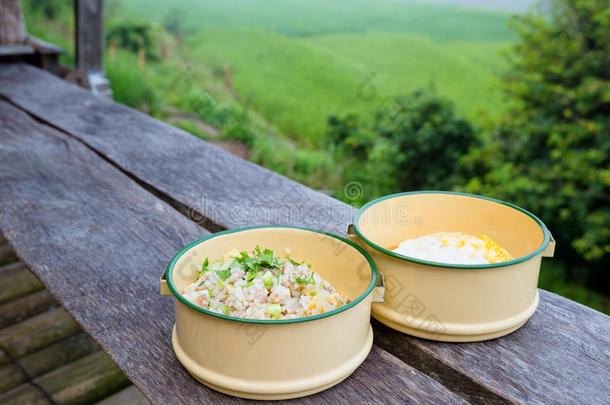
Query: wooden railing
x=97, y=197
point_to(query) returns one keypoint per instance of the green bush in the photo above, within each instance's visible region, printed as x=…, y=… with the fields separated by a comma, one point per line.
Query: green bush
x=348, y=136
x=415, y=142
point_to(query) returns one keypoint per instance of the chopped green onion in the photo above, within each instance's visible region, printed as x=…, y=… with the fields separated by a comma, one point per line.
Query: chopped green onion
x=268, y=279
x=273, y=310
x=222, y=308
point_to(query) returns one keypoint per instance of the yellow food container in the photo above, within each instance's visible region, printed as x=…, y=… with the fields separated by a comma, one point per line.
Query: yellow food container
x=450, y=302
x=275, y=359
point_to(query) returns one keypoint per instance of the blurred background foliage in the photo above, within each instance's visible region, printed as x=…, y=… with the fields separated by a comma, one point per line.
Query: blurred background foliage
x=515, y=107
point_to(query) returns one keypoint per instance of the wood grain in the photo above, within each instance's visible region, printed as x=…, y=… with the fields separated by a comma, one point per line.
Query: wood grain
x=89, y=35
x=562, y=355
x=127, y=396
x=100, y=242
x=214, y=187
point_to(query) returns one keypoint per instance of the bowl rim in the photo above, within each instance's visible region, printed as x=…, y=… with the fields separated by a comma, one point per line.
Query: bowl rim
x=170, y=267
x=543, y=246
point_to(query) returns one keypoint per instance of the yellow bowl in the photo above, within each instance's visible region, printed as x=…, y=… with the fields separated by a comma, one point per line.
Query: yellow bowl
x=275, y=359
x=449, y=302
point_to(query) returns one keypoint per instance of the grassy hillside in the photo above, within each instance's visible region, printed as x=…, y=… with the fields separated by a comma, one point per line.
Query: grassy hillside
x=306, y=60
x=299, y=82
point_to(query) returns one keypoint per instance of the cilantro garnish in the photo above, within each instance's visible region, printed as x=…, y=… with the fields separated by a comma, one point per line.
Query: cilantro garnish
x=236, y=265
x=252, y=263
x=224, y=274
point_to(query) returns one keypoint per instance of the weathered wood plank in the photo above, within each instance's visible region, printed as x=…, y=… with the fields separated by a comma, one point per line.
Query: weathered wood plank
x=37, y=332
x=11, y=376
x=197, y=176
x=127, y=396
x=25, y=307
x=405, y=386
x=561, y=355
x=24, y=394
x=44, y=47
x=12, y=50
x=101, y=213
x=58, y=354
x=97, y=214
x=83, y=381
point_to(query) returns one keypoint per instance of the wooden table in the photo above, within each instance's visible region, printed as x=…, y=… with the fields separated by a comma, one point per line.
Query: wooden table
x=96, y=198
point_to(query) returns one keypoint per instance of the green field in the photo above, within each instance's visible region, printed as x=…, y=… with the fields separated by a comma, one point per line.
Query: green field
x=310, y=78
x=304, y=61
x=300, y=18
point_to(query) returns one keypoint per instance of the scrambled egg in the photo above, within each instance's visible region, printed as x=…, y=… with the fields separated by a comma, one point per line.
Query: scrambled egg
x=454, y=248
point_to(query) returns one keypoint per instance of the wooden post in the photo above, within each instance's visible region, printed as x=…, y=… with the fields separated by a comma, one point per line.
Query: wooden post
x=17, y=46
x=12, y=25
x=89, y=44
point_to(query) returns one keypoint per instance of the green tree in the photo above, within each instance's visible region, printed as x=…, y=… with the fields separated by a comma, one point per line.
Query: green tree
x=415, y=142
x=173, y=22
x=427, y=137
x=553, y=148
x=135, y=37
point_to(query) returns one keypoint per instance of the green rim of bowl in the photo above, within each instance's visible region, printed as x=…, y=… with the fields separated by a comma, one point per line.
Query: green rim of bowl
x=541, y=249
x=170, y=268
